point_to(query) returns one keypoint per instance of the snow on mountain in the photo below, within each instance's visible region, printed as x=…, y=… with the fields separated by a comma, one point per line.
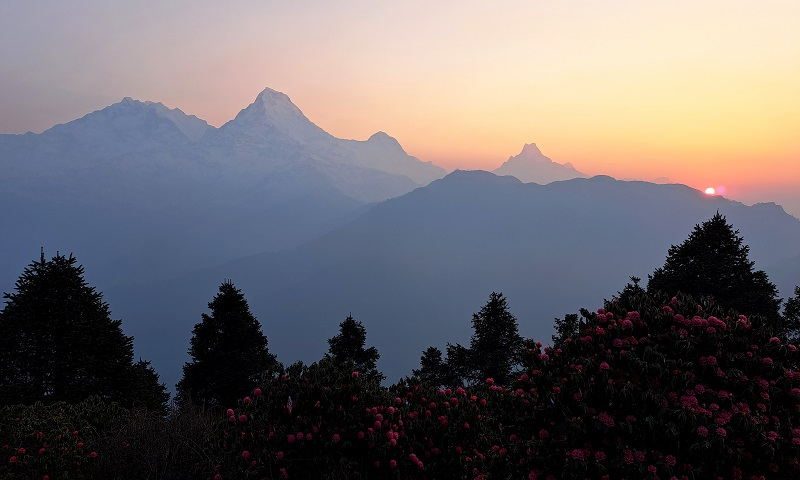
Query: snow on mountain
x=275, y=129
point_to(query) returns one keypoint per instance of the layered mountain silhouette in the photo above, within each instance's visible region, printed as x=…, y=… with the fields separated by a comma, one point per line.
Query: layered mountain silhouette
x=531, y=166
x=414, y=268
x=160, y=207
x=137, y=189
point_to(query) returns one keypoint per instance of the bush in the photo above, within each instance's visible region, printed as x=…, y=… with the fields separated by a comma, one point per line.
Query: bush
x=644, y=388
x=54, y=441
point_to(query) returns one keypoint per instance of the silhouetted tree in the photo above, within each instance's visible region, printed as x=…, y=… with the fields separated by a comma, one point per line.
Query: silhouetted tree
x=432, y=368
x=714, y=261
x=495, y=344
x=495, y=347
x=146, y=390
x=566, y=327
x=791, y=315
x=229, y=353
x=348, y=349
x=59, y=343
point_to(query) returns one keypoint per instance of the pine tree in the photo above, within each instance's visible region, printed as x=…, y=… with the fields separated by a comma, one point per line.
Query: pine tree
x=348, y=349
x=432, y=368
x=714, y=262
x=791, y=316
x=228, y=351
x=59, y=342
x=496, y=343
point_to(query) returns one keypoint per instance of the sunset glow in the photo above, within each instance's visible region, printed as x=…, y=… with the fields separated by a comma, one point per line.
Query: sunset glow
x=710, y=191
x=646, y=90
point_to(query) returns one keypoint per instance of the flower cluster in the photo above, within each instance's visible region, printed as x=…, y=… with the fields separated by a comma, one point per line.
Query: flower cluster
x=656, y=391
x=46, y=442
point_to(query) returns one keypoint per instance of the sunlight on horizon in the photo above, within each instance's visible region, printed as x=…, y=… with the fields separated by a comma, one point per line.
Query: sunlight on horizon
x=685, y=90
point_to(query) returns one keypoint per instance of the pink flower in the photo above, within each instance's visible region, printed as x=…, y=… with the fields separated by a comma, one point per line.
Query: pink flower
x=606, y=419
x=670, y=460
x=490, y=381
x=721, y=432
x=605, y=366
x=576, y=454
x=599, y=456
x=702, y=431
x=257, y=392
x=355, y=374
x=246, y=455
x=336, y=438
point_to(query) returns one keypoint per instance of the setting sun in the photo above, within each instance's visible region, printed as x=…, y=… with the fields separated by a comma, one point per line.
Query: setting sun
x=711, y=191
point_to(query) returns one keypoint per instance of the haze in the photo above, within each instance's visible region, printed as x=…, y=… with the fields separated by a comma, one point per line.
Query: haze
x=704, y=93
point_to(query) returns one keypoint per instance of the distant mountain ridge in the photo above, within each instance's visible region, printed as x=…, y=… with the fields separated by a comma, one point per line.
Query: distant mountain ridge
x=141, y=178
x=531, y=165
x=415, y=267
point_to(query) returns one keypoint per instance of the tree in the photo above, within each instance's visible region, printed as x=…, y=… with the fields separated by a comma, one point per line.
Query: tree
x=228, y=351
x=59, y=342
x=791, y=316
x=348, y=348
x=495, y=344
x=714, y=262
x=495, y=348
x=432, y=367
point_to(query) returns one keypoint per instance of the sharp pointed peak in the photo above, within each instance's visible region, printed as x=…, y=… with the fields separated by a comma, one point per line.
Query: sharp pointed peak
x=531, y=148
x=272, y=95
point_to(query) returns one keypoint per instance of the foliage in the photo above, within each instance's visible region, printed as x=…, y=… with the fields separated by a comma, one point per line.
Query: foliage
x=791, y=315
x=59, y=342
x=348, y=349
x=57, y=440
x=495, y=345
x=228, y=352
x=714, y=262
x=432, y=368
x=647, y=387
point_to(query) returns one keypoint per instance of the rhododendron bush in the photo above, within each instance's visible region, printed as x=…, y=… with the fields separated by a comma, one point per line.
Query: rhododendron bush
x=644, y=388
x=53, y=441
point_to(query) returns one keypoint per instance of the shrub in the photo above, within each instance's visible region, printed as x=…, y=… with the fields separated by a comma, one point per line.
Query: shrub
x=643, y=388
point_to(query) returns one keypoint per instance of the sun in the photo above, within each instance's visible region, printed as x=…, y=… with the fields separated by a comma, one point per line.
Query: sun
x=711, y=191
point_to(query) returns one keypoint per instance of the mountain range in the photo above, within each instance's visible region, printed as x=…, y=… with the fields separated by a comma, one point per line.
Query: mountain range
x=414, y=268
x=161, y=207
x=139, y=190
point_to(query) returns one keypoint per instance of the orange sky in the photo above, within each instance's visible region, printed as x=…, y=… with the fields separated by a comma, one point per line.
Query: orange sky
x=702, y=92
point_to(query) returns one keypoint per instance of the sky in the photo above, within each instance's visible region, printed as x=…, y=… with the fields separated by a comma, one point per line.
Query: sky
x=705, y=93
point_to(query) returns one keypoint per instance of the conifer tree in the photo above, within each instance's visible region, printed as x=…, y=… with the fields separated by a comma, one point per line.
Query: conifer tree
x=228, y=351
x=348, y=348
x=59, y=343
x=496, y=343
x=714, y=261
x=791, y=315
x=432, y=368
